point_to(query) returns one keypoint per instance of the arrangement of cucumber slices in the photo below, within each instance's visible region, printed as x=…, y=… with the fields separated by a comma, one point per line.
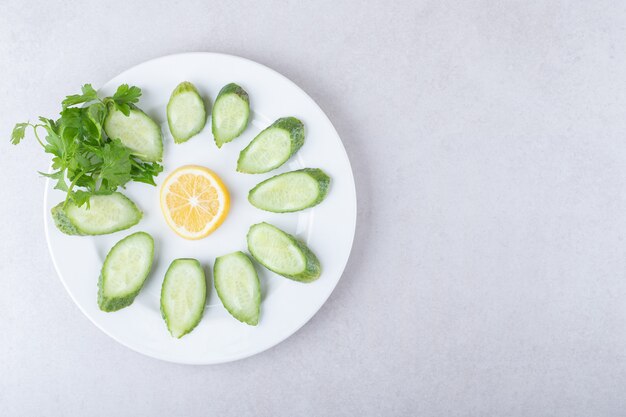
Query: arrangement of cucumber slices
x=183, y=296
x=105, y=214
x=238, y=287
x=282, y=253
x=186, y=115
x=184, y=288
x=125, y=270
x=291, y=191
x=230, y=114
x=272, y=147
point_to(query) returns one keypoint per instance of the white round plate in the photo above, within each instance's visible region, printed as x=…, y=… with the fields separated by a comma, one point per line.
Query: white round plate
x=328, y=229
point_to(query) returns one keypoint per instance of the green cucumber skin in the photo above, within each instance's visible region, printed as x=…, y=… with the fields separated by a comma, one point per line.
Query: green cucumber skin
x=313, y=268
x=62, y=222
x=65, y=225
x=293, y=126
x=136, y=109
x=254, y=320
x=183, y=87
x=110, y=304
x=323, y=183
x=201, y=313
x=231, y=88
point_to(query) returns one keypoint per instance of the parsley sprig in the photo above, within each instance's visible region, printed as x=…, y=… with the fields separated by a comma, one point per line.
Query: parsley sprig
x=85, y=161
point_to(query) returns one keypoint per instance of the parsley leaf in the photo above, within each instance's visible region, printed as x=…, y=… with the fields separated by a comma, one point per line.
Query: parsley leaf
x=124, y=96
x=145, y=171
x=80, y=197
x=115, y=168
x=18, y=133
x=88, y=94
x=95, y=120
x=59, y=176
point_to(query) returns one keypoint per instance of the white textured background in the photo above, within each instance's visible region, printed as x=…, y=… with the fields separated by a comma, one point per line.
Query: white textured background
x=488, y=276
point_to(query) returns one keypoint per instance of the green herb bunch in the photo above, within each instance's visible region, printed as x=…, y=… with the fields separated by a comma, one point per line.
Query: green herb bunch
x=85, y=160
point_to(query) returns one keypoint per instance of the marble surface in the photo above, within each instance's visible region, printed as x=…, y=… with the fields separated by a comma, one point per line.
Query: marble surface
x=488, y=142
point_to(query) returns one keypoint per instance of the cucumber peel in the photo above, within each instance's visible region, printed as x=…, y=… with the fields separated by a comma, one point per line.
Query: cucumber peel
x=186, y=114
x=272, y=147
x=124, y=271
x=107, y=213
x=230, y=115
x=62, y=222
x=183, y=296
x=137, y=131
x=282, y=253
x=238, y=287
x=291, y=191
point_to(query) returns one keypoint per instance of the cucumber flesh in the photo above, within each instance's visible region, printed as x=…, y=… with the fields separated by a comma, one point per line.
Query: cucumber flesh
x=237, y=285
x=291, y=191
x=124, y=271
x=231, y=113
x=183, y=296
x=106, y=214
x=137, y=131
x=186, y=114
x=282, y=253
x=272, y=147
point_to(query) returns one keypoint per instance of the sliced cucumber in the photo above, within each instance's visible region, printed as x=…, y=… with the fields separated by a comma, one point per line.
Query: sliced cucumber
x=291, y=191
x=183, y=296
x=137, y=131
x=125, y=269
x=237, y=285
x=282, y=253
x=272, y=147
x=186, y=114
x=106, y=214
x=231, y=112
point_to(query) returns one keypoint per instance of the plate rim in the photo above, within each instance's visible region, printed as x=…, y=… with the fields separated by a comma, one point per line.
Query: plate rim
x=322, y=300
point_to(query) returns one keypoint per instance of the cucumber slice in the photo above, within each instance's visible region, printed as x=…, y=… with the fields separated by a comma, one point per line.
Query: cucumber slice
x=231, y=112
x=272, y=147
x=125, y=270
x=291, y=191
x=137, y=131
x=183, y=296
x=186, y=114
x=106, y=214
x=237, y=285
x=282, y=253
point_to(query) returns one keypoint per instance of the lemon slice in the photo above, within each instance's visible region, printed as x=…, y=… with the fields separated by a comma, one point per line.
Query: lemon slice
x=194, y=201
